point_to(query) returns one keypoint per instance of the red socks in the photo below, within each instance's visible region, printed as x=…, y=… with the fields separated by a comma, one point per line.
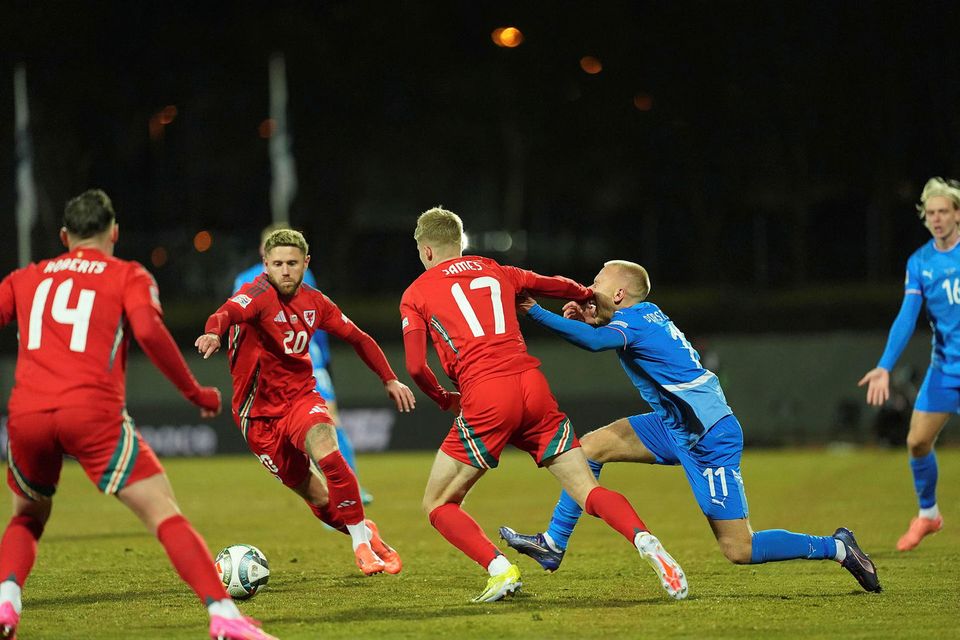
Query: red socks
x=189, y=555
x=18, y=548
x=613, y=508
x=464, y=533
x=343, y=488
x=327, y=515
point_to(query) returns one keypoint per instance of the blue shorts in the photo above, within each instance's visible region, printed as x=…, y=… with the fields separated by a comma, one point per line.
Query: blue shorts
x=324, y=385
x=712, y=466
x=939, y=393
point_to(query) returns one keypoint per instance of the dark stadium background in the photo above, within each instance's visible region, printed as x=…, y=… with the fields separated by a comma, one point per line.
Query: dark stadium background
x=762, y=159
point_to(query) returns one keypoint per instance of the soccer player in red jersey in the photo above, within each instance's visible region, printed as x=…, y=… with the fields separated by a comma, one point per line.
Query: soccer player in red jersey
x=75, y=313
x=466, y=304
x=275, y=403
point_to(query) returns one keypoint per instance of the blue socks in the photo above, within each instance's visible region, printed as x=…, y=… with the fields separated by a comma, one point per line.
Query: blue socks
x=925, y=479
x=774, y=545
x=346, y=450
x=567, y=513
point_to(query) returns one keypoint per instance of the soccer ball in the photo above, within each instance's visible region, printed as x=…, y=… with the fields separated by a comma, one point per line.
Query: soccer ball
x=243, y=569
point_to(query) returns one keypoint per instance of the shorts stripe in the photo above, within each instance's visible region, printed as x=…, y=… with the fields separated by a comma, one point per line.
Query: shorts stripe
x=561, y=441
x=118, y=471
x=244, y=413
x=32, y=491
x=474, y=446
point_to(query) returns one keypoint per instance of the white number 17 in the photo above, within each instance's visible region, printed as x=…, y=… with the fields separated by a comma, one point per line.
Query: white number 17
x=483, y=282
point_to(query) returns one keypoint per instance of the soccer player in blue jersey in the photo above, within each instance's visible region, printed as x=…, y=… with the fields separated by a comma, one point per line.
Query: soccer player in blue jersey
x=691, y=425
x=933, y=279
x=320, y=355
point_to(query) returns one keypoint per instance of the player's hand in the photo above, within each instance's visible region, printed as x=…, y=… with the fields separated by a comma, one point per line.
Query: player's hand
x=207, y=344
x=209, y=401
x=401, y=396
x=524, y=304
x=454, y=406
x=878, y=386
x=585, y=312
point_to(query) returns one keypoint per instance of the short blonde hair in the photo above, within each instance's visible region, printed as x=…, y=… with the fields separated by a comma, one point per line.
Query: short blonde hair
x=439, y=226
x=638, y=280
x=285, y=238
x=949, y=189
x=276, y=226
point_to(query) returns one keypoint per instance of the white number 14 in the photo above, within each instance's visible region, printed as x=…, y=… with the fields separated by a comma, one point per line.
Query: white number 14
x=78, y=317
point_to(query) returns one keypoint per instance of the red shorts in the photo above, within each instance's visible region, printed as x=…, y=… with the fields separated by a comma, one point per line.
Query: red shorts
x=517, y=409
x=279, y=443
x=107, y=445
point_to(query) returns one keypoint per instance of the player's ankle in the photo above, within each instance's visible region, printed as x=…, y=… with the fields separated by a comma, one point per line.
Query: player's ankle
x=225, y=608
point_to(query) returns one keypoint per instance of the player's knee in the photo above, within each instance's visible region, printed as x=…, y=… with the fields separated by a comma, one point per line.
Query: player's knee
x=593, y=448
x=736, y=550
x=917, y=446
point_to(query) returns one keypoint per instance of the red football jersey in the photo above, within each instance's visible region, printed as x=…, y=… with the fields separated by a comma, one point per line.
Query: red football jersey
x=269, y=344
x=71, y=312
x=467, y=304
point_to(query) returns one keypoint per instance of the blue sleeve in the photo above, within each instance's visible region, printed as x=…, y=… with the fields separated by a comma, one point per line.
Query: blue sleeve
x=901, y=330
x=309, y=279
x=578, y=333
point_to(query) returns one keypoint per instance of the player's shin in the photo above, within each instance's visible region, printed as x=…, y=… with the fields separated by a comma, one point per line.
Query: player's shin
x=463, y=532
x=615, y=510
x=566, y=515
x=343, y=488
x=18, y=548
x=190, y=557
x=774, y=545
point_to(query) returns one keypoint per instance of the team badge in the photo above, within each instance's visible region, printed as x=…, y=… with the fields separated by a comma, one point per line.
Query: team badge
x=310, y=316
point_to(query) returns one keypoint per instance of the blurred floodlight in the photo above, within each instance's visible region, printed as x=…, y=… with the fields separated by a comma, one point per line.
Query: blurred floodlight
x=202, y=241
x=643, y=102
x=591, y=65
x=266, y=128
x=167, y=114
x=159, y=256
x=466, y=241
x=498, y=240
x=508, y=37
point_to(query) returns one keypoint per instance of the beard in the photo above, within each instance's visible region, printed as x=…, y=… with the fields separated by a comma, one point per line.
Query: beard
x=285, y=287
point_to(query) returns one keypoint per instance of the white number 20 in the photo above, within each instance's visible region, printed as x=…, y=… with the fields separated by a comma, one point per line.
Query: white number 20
x=483, y=282
x=78, y=317
x=295, y=342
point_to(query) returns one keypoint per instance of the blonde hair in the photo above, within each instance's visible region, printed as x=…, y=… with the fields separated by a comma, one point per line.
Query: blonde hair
x=276, y=226
x=638, y=280
x=285, y=238
x=441, y=227
x=949, y=189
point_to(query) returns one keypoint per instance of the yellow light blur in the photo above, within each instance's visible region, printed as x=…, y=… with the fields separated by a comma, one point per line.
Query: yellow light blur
x=508, y=37
x=591, y=65
x=159, y=256
x=202, y=241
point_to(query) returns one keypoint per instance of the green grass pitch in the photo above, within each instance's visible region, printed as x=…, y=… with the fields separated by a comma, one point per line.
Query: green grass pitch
x=99, y=575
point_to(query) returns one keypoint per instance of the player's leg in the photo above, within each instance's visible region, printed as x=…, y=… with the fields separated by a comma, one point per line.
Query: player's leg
x=935, y=402
x=712, y=468
x=449, y=482
x=117, y=459
x=325, y=389
x=34, y=459
x=620, y=441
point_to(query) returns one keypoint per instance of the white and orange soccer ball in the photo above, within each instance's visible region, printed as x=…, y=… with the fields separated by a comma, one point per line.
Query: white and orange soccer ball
x=243, y=569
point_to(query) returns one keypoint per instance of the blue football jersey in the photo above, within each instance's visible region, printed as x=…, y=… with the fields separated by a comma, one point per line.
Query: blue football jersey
x=935, y=275
x=665, y=369
x=320, y=343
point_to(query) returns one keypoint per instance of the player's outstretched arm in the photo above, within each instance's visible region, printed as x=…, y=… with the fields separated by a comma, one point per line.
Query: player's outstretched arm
x=155, y=340
x=578, y=333
x=878, y=385
x=550, y=286
x=373, y=356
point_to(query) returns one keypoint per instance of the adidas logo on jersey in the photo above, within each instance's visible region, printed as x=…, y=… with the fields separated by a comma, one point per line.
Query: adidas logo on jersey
x=318, y=409
x=280, y=317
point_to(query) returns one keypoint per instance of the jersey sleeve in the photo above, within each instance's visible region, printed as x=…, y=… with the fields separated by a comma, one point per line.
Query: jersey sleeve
x=912, y=282
x=550, y=286
x=239, y=308
x=411, y=316
x=8, y=305
x=579, y=333
x=140, y=290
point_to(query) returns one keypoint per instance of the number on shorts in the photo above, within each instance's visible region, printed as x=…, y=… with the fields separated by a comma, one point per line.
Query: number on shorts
x=709, y=473
x=78, y=317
